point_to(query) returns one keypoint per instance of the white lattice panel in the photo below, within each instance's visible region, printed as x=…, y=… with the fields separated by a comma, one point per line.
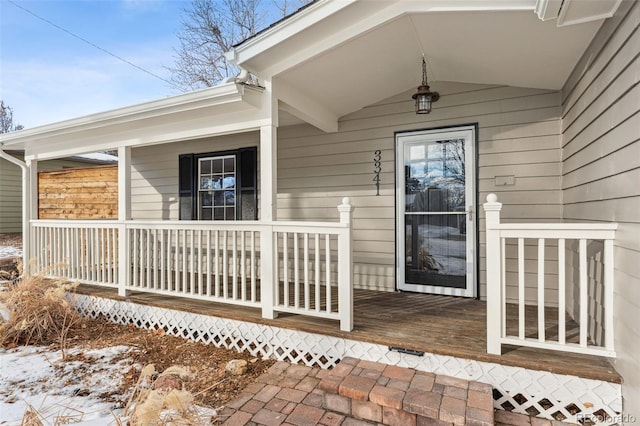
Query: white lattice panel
x=532, y=392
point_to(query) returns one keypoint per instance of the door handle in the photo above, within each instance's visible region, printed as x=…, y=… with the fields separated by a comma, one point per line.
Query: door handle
x=470, y=213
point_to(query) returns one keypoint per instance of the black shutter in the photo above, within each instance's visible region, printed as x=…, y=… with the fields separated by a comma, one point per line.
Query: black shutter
x=187, y=186
x=248, y=184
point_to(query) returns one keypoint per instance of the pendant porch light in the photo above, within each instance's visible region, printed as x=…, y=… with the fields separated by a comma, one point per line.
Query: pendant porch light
x=424, y=97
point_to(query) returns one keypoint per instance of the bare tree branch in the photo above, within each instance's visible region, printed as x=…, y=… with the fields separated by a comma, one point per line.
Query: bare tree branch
x=211, y=28
x=6, y=119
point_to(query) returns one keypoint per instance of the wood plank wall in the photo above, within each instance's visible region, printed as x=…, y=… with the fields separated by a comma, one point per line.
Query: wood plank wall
x=601, y=169
x=78, y=193
x=519, y=135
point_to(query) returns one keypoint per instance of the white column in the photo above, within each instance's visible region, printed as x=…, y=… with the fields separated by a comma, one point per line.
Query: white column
x=494, y=286
x=124, y=214
x=30, y=205
x=345, y=268
x=268, y=173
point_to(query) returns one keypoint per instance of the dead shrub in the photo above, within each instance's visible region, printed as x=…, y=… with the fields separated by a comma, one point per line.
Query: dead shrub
x=37, y=311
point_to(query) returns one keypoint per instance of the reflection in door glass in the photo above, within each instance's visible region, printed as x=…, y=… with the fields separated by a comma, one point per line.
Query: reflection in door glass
x=436, y=250
x=435, y=176
x=435, y=218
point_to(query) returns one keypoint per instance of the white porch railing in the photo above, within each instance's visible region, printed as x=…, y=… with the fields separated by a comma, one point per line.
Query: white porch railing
x=296, y=267
x=576, y=293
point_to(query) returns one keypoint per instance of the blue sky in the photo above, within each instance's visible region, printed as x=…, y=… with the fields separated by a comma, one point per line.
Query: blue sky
x=47, y=75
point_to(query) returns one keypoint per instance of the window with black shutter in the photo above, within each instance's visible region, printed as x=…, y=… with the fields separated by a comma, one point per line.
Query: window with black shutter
x=219, y=185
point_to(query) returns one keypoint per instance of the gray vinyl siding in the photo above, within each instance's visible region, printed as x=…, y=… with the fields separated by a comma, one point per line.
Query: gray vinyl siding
x=154, y=173
x=11, y=190
x=518, y=135
x=601, y=169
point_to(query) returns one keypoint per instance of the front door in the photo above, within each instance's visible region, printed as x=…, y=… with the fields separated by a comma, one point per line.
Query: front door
x=435, y=211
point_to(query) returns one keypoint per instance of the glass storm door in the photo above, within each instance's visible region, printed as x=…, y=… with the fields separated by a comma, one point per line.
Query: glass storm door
x=435, y=217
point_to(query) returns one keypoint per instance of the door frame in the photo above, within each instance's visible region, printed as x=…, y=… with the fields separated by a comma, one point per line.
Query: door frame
x=473, y=289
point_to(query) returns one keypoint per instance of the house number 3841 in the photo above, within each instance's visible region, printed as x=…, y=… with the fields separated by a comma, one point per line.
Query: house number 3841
x=377, y=167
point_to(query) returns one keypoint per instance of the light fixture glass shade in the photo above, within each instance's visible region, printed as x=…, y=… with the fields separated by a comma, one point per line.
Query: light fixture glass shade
x=423, y=103
x=424, y=97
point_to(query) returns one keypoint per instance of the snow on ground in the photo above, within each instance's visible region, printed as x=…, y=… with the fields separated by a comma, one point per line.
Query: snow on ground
x=9, y=251
x=60, y=390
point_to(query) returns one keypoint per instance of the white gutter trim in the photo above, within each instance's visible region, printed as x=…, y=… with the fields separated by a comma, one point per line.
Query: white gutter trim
x=26, y=213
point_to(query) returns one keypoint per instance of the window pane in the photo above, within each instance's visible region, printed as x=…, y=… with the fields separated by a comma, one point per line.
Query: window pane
x=218, y=198
x=230, y=213
x=229, y=182
x=229, y=165
x=217, y=165
x=205, y=167
x=230, y=198
x=205, y=214
x=206, y=182
x=217, y=182
x=218, y=213
x=206, y=199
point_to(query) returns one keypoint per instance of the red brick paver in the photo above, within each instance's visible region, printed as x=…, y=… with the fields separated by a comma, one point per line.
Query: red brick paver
x=358, y=392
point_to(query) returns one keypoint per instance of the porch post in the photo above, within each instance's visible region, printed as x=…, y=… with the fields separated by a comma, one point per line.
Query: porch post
x=124, y=214
x=494, y=285
x=268, y=207
x=31, y=212
x=345, y=268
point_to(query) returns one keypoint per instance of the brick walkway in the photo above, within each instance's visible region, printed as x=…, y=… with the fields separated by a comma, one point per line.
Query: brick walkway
x=359, y=392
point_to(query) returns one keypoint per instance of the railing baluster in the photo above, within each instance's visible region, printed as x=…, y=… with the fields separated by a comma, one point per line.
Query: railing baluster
x=253, y=266
x=234, y=269
x=200, y=292
x=584, y=300
x=225, y=265
x=276, y=273
x=163, y=260
x=154, y=277
x=285, y=268
x=541, y=330
x=208, y=237
x=317, y=272
x=217, y=258
x=296, y=272
x=327, y=266
x=243, y=266
x=306, y=271
x=562, y=290
x=147, y=265
x=192, y=253
x=185, y=254
x=521, y=298
x=176, y=259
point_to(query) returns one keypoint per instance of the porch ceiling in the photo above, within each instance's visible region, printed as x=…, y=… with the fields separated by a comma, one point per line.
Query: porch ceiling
x=368, y=51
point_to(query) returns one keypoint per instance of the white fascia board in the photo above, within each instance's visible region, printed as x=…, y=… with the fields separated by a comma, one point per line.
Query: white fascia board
x=219, y=95
x=389, y=10
x=216, y=129
x=287, y=28
x=306, y=108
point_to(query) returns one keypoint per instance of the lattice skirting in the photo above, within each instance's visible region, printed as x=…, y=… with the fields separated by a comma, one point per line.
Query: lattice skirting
x=532, y=392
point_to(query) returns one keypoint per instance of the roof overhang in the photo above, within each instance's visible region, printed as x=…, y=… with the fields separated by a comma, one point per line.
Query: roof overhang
x=343, y=55
x=218, y=110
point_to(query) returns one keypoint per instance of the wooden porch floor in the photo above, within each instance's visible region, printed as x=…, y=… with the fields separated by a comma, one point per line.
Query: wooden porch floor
x=437, y=324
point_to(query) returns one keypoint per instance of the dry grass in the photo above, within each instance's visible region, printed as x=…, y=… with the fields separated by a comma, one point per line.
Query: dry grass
x=151, y=405
x=39, y=312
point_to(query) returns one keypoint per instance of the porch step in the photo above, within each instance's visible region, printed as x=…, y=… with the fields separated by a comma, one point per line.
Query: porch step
x=394, y=395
